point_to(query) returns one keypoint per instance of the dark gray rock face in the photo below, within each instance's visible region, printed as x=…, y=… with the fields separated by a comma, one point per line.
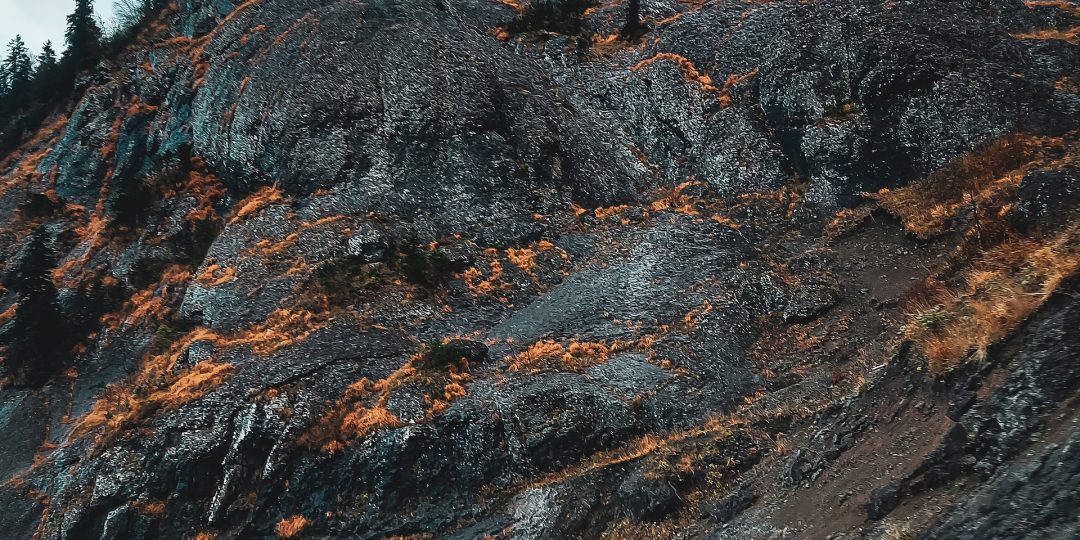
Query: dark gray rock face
x=323, y=188
x=1046, y=199
x=1036, y=496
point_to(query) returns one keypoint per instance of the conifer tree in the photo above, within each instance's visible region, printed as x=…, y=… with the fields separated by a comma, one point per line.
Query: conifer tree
x=46, y=76
x=19, y=68
x=4, y=89
x=83, y=35
x=34, y=340
x=47, y=58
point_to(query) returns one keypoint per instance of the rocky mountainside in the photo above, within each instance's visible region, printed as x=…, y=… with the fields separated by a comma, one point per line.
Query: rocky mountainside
x=527, y=269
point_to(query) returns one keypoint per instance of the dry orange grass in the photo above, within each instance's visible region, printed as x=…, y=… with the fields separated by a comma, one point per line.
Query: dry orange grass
x=1001, y=285
x=998, y=292
x=677, y=201
x=480, y=285
x=9, y=313
x=206, y=188
x=515, y=5
x=692, y=74
x=362, y=408
x=987, y=178
x=21, y=165
x=361, y=421
x=214, y=275
x=1068, y=35
x=149, y=508
x=255, y=202
x=282, y=328
x=154, y=388
x=574, y=356
x=1063, y=5
x=523, y=258
x=291, y=527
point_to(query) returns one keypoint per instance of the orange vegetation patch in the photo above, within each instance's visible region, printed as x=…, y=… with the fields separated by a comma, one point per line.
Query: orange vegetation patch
x=1069, y=35
x=453, y=390
x=362, y=409
x=847, y=220
x=997, y=293
x=515, y=5
x=478, y=284
x=214, y=275
x=257, y=201
x=574, y=356
x=733, y=80
x=692, y=74
x=281, y=329
x=692, y=317
x=30, y=155
x=725, y=221
x=1067, y=84
x=523, y=258
x=677, y=201
x=361, y=421
x=1063, y=5
x=137, y=107
x=604, y=213
x=714, y=428
x=291, y=527
x=689, y=70
x=121, y=406
x=155, y=386
x=152, y=301
x=268, y=248
x=8, y=313
x=93, y=237
x=986, y=178
x=149, y=508
x=206, y=188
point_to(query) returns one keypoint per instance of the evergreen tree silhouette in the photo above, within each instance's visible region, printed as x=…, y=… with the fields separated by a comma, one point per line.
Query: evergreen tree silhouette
x=19, y=68
x=83, y=36
x=34, y=340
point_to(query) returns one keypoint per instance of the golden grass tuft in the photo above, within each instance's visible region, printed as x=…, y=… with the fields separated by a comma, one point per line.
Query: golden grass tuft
x=1063, y=5
x=986, y=178
x=480, y=285
x=573, y=356
x=154, y=388
x=214, y=275
x=997, y=293
x=362, y=421
x=254, y=203
x=523, y=258
x=291, y=527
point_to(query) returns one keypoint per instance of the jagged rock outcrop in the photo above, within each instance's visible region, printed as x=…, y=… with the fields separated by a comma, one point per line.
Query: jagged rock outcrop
x=366, y=269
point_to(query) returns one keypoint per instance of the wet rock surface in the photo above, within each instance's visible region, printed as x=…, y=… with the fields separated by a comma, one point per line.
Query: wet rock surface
x=404, y=268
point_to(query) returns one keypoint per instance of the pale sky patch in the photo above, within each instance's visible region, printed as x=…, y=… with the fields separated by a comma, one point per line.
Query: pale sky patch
x=38, y=21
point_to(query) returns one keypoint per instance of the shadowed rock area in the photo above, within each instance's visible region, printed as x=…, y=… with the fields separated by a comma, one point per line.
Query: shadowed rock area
x=520, y=269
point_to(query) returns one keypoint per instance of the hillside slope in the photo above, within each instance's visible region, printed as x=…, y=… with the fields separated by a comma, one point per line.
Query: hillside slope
x=488, y=268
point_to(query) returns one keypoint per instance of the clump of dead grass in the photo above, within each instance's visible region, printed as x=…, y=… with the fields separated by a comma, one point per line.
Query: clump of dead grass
x=994, y=296
x=291, y=527
x=982, y=181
